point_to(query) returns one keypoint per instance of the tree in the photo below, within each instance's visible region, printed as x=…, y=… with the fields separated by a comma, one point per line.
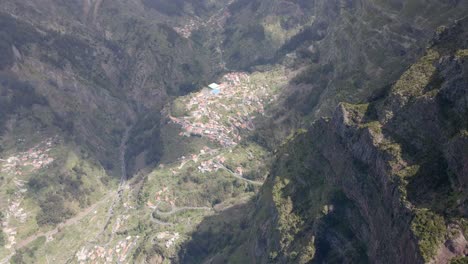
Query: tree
x=2, y=238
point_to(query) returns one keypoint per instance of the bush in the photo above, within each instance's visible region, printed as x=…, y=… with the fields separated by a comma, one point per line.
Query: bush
x=53, y=210
x=460, y=260
x=430, y=229
x=15, y=94
x=2, y=238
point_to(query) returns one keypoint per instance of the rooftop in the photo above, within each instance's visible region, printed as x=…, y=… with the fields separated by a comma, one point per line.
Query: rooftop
x=214, y=86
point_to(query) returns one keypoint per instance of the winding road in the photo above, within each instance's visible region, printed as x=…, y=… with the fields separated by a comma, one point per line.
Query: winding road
x=238, y=176
x=174, y=210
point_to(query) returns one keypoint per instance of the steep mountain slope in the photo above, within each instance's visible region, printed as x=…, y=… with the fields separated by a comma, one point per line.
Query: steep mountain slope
x=111, y=150
x=346, y=49
x=74, y=78
x=383, y=182
x=107, y=61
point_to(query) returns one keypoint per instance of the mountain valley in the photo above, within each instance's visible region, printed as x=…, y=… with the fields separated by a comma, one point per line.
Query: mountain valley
x=233, y=131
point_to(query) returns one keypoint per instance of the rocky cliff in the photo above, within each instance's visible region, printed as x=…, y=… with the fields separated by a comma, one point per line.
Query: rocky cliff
x=345, y=49
x=381, y=182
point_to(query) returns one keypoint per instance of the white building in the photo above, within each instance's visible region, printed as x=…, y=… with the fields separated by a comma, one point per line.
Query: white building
x=214, y=86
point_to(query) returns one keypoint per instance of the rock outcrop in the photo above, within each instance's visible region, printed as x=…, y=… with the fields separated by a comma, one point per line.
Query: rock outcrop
x=381, y=182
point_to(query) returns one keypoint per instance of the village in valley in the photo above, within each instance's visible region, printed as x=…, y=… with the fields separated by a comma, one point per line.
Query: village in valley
x=100, y=254
x=29, y=161
x=218, y=168
x=16, y=167
x=221, y=112
x=224, y=114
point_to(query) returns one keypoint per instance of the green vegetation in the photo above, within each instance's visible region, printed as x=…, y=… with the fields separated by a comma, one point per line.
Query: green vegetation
x=459, y=260
x=69, y=185
x=314, y=74
x=361, y=114
x=292, y=136
x=29, y=254
x=252, y=158
x=374, y=126
x=358, y=109
x=315, y=171
x=176, y=146
x=145, y=138
x=15, y=95
x=289, y=223
x=53, y=210
x=414, y=80
x=57, y=49
x=279, y=32
x=394, y=149
x=462, y=53
x=178, y=108
x=430, y=229
x=308, y=253
x=2, y=238
x=408, y=171
x=220, y=234
x=14, y=32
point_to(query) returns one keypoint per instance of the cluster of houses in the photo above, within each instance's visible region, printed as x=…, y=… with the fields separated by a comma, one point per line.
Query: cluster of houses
x=217, y=163
x=168, y=238
x=208, y=166
x=98, y=254
x=223, y=110
x=10, y=233
x=162, y=196
x=236, y=78
x=34, y=159
x=29, y=161
x=186, y=30
x=120, y=222
x=14, y=211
